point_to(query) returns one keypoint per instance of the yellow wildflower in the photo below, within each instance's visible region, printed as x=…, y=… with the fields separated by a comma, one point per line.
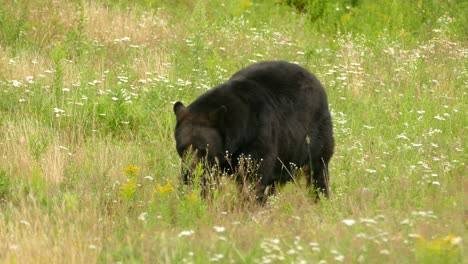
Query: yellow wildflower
x=131, y=170
x=446, y=249
x=346, y=17
x=127, y=190
x=245, y=4
x=192, y=197
x=164, y=189
x=452, y=239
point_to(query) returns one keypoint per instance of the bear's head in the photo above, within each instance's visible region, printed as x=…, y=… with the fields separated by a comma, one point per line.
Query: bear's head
x=199, y=136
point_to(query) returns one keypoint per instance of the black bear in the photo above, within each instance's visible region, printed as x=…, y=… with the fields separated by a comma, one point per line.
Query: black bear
x=276, y=112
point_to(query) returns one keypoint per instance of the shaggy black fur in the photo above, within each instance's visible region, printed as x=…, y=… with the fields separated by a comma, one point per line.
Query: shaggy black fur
x=275, y=111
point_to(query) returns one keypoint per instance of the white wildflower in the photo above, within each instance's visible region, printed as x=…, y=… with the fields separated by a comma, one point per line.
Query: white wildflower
x=219, y=229
x=405, y=222
x=456, y=241
x=367, y=220
x=216, y=258
x=16, y=83
x=186, y=233
x=348, y=222
x=313, y=244
x=403, y=136
x=142, y=216
x=385, y=252
x=275, y=241
x=24, y=222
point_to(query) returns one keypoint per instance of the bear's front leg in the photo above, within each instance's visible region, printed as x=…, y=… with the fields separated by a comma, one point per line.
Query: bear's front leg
x=264, y=185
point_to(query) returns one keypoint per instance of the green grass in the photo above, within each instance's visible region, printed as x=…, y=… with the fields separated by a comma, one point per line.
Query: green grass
x=88, y=167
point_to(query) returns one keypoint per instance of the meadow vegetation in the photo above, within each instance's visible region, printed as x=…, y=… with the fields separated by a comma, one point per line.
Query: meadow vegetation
x=88, y=167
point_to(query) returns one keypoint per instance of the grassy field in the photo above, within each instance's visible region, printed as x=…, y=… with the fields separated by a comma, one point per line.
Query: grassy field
x=88, y=167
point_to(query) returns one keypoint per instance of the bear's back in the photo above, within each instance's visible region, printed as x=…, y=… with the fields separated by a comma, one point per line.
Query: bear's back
x=278, y=76
x=280, y=84
x=276, y=85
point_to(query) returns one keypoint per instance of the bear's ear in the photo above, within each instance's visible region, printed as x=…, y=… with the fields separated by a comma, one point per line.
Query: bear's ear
x=217, y=116
x=180, y=111
x=179, y=108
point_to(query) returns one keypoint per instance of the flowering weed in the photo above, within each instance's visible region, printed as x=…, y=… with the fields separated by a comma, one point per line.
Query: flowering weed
x=440, y=250
x=163, y=189
x=128, y=189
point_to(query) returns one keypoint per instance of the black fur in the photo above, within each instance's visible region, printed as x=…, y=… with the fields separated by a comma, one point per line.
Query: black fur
x=274, y=111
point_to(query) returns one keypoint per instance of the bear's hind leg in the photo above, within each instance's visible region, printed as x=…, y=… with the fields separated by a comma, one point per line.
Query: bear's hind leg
x=321, y=177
